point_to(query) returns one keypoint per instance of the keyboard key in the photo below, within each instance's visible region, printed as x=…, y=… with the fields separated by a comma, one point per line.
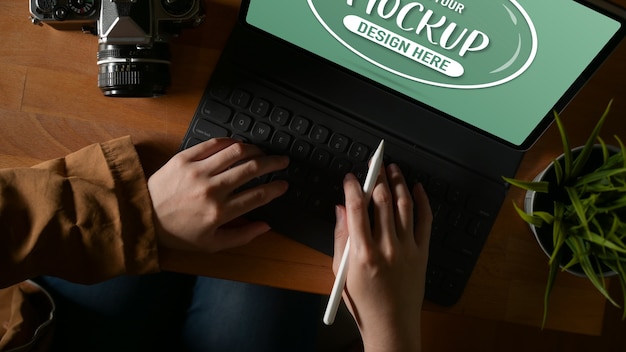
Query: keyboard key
x=477, y=228
x=300, y=149
x=434, y=276
x=281, y=141
x=437, y=233
x=456, y=196
x=319, y=205
x=319, y=134
x=242, y=122
x=240, y=98
x=300, y=125
x=315, y=179
x=436, y=188
x=358, y=152
x=280, y=116
x=457, y=219
x=220, y=92
x=260, y=107
x=440, y=210
x=298, y=171
x=297, y=194
x=320, y=158
x=209, y=130
x=216, y=111
x=261, y=132
x=339, y=143
x=341, y=166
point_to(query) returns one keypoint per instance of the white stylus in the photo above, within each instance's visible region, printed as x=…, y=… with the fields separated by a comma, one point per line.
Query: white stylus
x=340, y=280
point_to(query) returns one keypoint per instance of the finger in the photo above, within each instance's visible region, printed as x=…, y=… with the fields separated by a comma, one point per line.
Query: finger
x=424, y=217
x=341, y=235
x=250, y=199
x=206, y=149
x=403, y=203
x=248, y=170
x=356, y=213
x=232, y=237
x=230, y=156
x=384, y=221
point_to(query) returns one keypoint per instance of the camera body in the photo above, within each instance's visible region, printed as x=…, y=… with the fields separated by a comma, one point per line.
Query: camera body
x=133, y=46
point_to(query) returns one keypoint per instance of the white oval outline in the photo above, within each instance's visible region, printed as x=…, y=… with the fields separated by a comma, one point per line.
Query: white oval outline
x=527, y=64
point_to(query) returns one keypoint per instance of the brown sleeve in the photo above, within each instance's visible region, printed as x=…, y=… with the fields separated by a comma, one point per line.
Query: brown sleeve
x=85, y=218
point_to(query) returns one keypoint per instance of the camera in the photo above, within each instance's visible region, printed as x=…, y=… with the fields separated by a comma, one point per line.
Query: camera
x=133, y=47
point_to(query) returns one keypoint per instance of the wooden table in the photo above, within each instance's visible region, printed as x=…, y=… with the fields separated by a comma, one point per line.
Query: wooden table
x=50, y=105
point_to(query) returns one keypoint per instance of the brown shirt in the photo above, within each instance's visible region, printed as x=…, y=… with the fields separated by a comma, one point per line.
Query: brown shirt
x=85, y=218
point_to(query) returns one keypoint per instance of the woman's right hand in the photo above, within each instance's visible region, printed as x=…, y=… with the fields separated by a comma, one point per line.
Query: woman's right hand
x=387, y=262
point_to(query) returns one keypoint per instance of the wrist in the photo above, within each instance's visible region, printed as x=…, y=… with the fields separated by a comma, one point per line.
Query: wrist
x=405, y=338
x=409, y=345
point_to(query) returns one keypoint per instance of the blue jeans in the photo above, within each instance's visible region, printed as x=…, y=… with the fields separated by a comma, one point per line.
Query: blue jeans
x=175, y=312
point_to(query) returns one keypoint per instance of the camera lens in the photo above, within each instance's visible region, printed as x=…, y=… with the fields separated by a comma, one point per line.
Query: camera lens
x=131, y=71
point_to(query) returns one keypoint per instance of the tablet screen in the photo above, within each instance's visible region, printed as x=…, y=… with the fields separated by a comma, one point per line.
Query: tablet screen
x=499, y=66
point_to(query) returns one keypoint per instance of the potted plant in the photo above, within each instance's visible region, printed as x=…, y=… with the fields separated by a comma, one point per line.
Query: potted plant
x=577, y=210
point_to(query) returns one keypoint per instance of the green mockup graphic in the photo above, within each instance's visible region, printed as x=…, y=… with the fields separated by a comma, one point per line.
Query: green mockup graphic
x=442, y=43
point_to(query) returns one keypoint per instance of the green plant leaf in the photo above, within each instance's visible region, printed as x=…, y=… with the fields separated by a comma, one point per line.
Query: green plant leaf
x=553, y=271
x=579, y=250
x=622, y=149
x=536, y=221
x=621, y=274
x=558, y=172
x=578, y=207
x=611, y=258
x=605, y=150
x=548, y=218
x=575, y=260
x=601, y=241
x=616, y=232
x=598, y=175
x=615, y=161
x=537, y=186
x=582, y=158
x=567, y=152
x=558, y=234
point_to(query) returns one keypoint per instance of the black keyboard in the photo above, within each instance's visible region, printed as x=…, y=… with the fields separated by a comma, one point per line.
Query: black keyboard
x=322, y=149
